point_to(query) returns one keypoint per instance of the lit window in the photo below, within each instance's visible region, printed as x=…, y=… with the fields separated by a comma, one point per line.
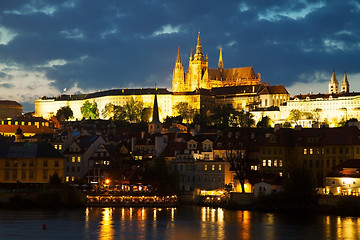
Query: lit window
x=280, y=163
x=60, y=147
x=254, y=167
x=67, y=178
x=311, y=151
x=72, y=178
x=305, y=151
x=205, y=167
x=55, y=146
x=78, y=159
x=72, y=159
x=220, y=167
x=280, y=174
x=213, y=167
x=264, y=163
x=275, y=163
x=269, y=163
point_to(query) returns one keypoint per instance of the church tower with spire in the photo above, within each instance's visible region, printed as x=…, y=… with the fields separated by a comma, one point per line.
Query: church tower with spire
x=333, y=84
x=155, y=126
x=178, y=84
x=345, y=86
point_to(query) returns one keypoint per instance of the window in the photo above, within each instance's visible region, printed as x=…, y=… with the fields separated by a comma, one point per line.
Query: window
x=280, y=163
x=205, y=167
x=275, y=163
x=23, y=164
x=56, y=146
x=7, y=175
x=56, y=163
x=269, y=163
x=213, y=167
x=31, y=175
x=45, y=174
x=72, y=178
x=305, y=151
x=78, y=159
x=78, y=169
x=7, y=163
x=311, y=151
x=60, y=147
x=264, y=163
x=31, y=163
x=23, y=175
x=72, y=159
x=219, y=167
x=67, y=178
x=45, y=163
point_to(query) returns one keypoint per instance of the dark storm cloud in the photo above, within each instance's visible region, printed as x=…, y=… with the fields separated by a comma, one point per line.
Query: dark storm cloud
x=112, y=44
x=6, y=85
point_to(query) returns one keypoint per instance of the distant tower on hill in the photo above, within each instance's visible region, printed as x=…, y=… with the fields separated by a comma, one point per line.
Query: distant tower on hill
x=333, y=84
x=345, y=86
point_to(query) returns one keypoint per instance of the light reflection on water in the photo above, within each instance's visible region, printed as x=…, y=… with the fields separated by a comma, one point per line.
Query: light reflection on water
x=188, y=222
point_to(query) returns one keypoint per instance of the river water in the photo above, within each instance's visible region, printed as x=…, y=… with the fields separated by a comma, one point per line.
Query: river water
x=187, y=222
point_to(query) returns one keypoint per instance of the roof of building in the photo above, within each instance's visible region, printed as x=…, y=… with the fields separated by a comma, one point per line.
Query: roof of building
x=276, y=89
x=313, y=137
x=324, y=95
x=112, y=92
x=28, y=150
x=10, y=103
x=232, y=74
x=26, y=129
x=243, y=89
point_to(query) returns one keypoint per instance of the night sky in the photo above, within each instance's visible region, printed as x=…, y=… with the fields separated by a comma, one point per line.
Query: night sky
x=91, y=45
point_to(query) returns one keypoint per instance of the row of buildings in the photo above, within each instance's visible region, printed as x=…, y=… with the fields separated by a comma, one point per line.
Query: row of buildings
x=201, y=157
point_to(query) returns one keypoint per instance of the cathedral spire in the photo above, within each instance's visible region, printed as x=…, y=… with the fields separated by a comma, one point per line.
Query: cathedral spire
x=221, y=64
x=345, y=84
x=178, y=58
x=199, y=55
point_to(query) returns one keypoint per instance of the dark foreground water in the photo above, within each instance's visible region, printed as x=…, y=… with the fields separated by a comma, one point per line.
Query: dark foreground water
x=187, y=223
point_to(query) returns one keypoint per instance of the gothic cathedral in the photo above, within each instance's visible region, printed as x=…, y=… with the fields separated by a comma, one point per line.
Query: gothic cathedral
x=199, y=75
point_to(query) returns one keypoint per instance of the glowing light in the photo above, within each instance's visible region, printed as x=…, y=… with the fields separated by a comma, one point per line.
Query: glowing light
x=107, y=181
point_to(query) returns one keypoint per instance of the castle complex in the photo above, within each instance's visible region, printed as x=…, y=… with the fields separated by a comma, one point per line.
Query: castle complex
x=201, y=87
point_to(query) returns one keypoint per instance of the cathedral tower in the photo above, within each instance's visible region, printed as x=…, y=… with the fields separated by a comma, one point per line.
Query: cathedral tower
x=345, y=86
x=197, y=67
x=178, y=84
x=333, y=84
